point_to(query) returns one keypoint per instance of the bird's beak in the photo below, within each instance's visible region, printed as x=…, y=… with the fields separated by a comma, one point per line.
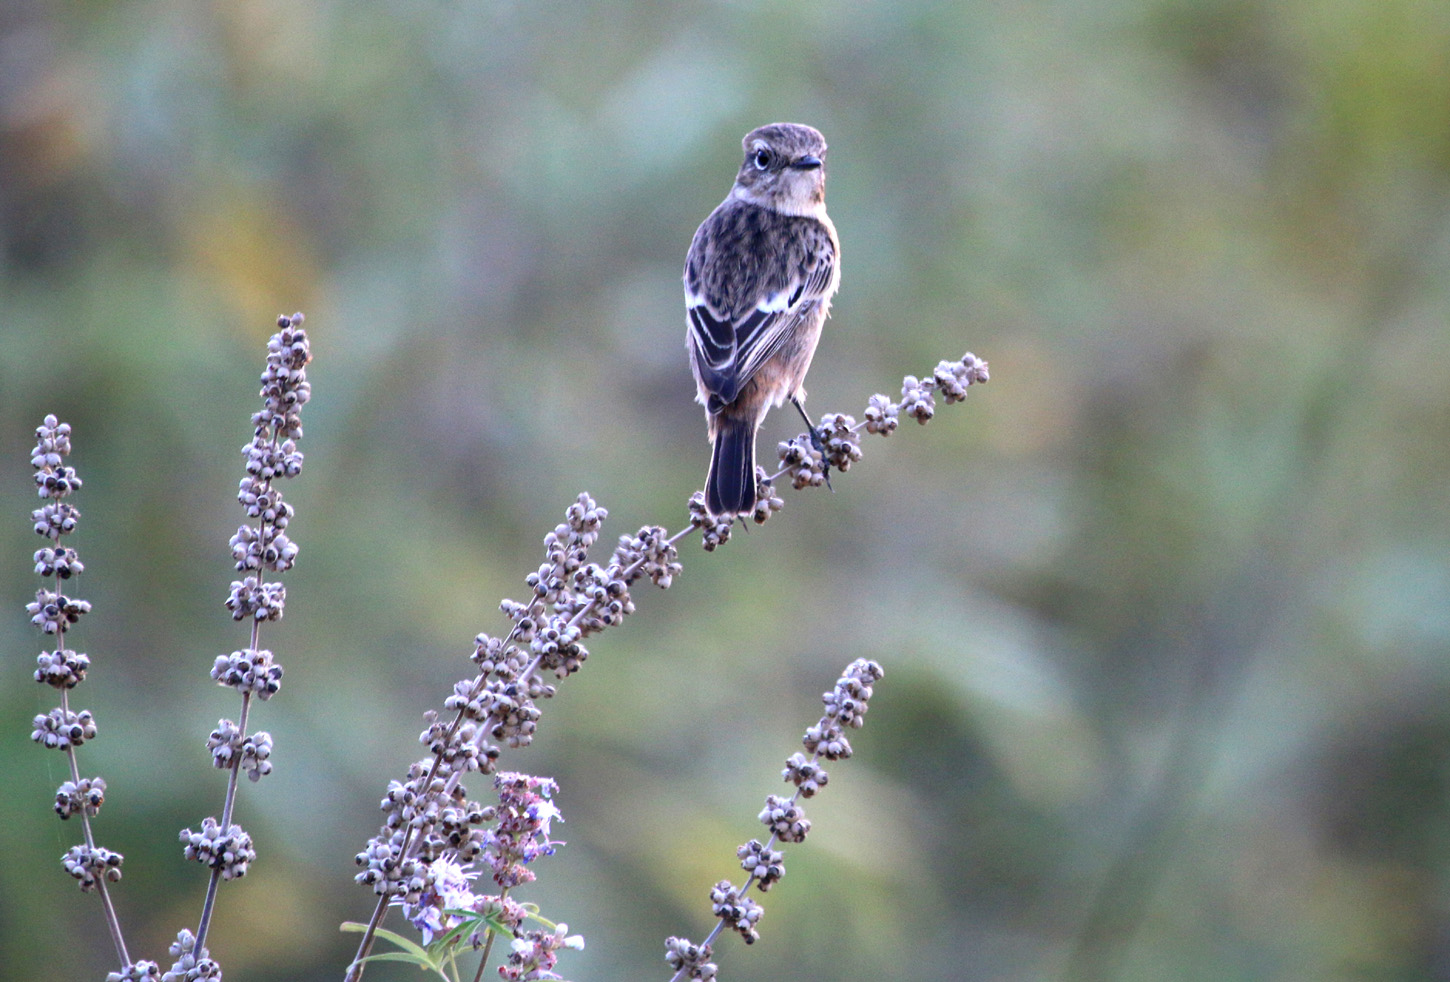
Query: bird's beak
x=809, y=162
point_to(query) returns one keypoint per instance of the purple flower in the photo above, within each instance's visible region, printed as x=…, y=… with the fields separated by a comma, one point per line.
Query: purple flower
x=448, y=889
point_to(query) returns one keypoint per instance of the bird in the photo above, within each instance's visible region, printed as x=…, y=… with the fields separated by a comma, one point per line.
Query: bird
x=759, y=278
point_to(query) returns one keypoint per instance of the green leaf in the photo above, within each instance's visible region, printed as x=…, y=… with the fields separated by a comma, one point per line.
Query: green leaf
x=411, y=953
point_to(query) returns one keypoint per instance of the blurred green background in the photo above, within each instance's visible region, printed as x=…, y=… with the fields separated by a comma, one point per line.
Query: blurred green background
x=1164, y=610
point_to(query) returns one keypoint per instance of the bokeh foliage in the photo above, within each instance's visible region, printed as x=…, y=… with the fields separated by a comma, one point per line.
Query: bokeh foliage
x=1163, y=610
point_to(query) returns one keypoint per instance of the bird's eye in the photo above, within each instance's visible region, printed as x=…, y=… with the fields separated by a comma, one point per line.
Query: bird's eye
x=762, y=159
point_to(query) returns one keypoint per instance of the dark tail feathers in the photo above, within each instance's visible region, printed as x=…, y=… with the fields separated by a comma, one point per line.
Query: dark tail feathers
x=730, y=485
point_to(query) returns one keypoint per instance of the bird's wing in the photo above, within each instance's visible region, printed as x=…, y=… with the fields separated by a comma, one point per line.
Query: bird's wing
x=738, y=321
x=760, y=334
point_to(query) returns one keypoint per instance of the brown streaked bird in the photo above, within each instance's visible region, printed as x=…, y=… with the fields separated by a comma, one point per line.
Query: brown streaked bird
x=759, y=279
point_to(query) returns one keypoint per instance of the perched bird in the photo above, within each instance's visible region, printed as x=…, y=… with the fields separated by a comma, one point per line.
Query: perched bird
x=759, y=279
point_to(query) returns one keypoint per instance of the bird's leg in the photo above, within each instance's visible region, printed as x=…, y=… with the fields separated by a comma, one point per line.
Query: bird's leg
x=816, y=440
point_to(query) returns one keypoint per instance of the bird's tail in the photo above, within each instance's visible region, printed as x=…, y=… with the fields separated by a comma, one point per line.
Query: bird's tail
x=730, y=485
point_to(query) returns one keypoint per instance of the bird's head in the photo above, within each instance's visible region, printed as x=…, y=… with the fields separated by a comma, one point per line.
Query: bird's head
x=784, y=169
